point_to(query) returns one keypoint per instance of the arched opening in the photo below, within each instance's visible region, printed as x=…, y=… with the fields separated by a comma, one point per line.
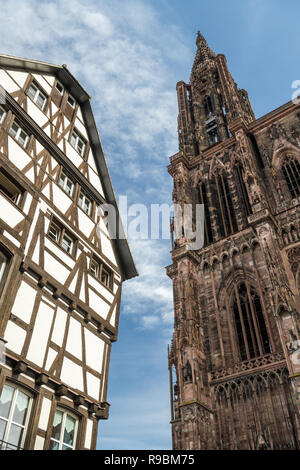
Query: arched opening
x=243, y=190
x=291, y=172
x=251, y=330
x=208, y=234
x=227, y=220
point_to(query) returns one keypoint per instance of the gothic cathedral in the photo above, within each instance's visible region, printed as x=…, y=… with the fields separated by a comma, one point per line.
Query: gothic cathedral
x=234, y=360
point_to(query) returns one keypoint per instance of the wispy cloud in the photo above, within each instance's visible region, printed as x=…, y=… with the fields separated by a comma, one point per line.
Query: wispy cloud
x=124, y=56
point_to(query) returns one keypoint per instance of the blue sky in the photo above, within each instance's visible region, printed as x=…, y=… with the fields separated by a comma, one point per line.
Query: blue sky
x=129, y=54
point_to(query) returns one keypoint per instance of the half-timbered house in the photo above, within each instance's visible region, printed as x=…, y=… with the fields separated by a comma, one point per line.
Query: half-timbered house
x=60, y=269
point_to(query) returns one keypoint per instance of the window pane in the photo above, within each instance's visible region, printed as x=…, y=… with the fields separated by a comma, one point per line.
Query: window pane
x=73, y=139
x=15, y=435
x=54, y=233
x=67, y=243
x=2, y=429
x=32, y=91
x=22, y=138
x=69, y=430
x=21, y=407
x=66, y=448
x=5, y=401
x=57, y=425
x=69, y=187
x=14, y=129
x=2, y=114
x=41, y=100
x=3, y=263
x=95, y=268
x=54, y=445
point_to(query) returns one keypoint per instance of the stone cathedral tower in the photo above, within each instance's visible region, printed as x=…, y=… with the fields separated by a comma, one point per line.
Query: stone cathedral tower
x=235, y=356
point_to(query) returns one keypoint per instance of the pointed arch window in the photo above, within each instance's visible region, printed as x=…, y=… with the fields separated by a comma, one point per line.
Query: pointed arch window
x=251, y=330
x=291, y=172
x=208, y=234
x=227, y=218
x=243, y=189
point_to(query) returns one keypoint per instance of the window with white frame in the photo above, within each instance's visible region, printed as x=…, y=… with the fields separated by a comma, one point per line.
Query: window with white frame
x=15, y=406
x=102, y=272
x=59, y=87
x=19, y=134
x=10, y=187
x=37, y=96
x=66, y=183
x=64, y=431
x=71, y=101
x=95, y=267
x=61, y=236
x=2, y=114
x=85, y=203
x=77, y=142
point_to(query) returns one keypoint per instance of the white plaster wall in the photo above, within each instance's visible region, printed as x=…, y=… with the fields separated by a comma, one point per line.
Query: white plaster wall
x=81, y=128
x=59, y=326
x=60, y=199
x=73, y=155
x=9, y=213
x=95, y=180
x=7, y=82
x=54, y=268
x=39, y=443
x=42, y=325
x=94, y=347
x=88, y=434
x=19, y=77
x=93, y=385
x=44, y=84
x=50, y=358
x=45, y=412
x=98, y=304
x=72, y=374
x=15, y=337
x=86, y=225
x=17, y=155
x=36, y=114
x=107, y=248
x=101, y=288
x=74, y=340
x=24, y=302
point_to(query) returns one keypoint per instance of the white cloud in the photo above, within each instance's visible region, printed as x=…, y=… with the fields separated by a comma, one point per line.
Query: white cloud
x=123, y=56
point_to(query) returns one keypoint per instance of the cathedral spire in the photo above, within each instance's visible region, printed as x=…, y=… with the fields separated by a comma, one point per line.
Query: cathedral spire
x=204, y=52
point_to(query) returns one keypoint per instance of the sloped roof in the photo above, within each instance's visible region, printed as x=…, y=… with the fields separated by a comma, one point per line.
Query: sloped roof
x=122, y=249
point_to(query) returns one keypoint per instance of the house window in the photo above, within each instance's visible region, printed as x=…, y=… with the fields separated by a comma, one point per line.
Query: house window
x=59, y=234
x=291, y=171
x=102, y=272
x=71, y=101
x=37, y=96
x=66, y=183
x=59, y=87
x=252, y=335
x=15, y=408
x=10, y=187
x=95, y=267
x=19, y=134
x=105, y=277
x=2, y=114
x=85, y=203
x=64, y=431
x=77, y=142
x=4, y=262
